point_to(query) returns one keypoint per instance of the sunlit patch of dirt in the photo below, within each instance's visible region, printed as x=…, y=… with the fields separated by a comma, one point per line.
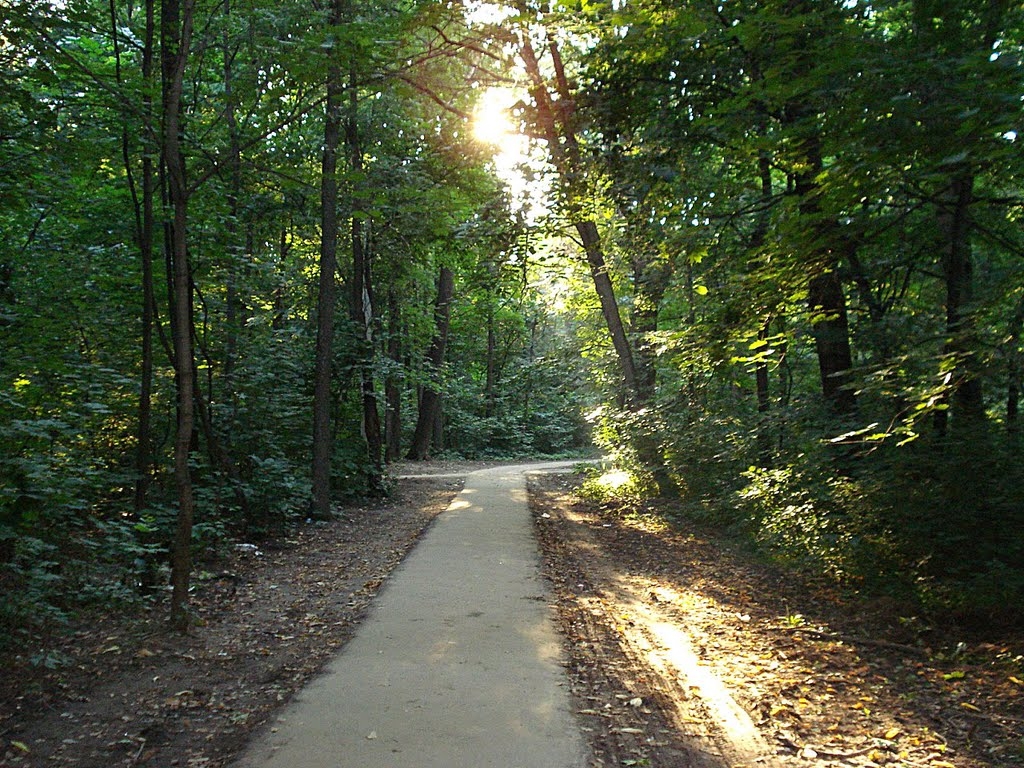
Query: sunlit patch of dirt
x=736, y=663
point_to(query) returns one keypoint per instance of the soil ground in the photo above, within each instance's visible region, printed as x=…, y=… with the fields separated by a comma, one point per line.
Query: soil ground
x=665, y=627
x=647, y=608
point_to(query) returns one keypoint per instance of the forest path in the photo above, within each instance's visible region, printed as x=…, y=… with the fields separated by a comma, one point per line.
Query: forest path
x=458, y=663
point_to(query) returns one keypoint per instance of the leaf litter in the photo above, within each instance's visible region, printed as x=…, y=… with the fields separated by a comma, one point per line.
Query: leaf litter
x=818, y=679
x=267, y=619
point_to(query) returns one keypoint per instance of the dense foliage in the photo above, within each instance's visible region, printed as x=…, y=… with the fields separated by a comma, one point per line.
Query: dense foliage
x=779, y=270
x=90, y=401
x=824, y=200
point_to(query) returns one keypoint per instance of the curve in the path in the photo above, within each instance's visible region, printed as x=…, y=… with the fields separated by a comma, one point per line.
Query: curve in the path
x=458, y=664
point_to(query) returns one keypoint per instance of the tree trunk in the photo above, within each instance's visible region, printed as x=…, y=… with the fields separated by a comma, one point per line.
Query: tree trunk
x=145, y=228
x=491, y=377
x=825, y=297
x=392, y=384
x=327, y=292
x=650, y=280
x=176, y=35
x=361, y=304
x=591, y=240
x=565, y=157
x=231, y=228
x=761, y=379
x=967, y=402
x=1014, y=369
x=430, y=400
x=556, y=120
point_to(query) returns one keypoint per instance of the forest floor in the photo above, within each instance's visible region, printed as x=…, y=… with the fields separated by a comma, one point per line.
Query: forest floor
x=667, y=630
x=687, y=651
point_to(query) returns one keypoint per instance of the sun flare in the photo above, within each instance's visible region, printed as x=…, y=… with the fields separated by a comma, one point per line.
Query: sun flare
x=515, y=160
x=492, y=120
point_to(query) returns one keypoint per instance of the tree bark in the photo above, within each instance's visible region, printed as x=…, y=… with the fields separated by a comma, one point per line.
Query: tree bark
x=361, y=304
x=392, y=383
x=1014, y=369
x=327, y=291
x=825, y=297
x=557, y=123
x=491, y=374
x=145, y=227
x=176, y=35
x=558, y=131
x=430, y=400
x=231, y=228
x=967, y=402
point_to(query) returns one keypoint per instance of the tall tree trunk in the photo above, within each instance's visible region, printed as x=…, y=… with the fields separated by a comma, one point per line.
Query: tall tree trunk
x=761, y=378
x=1014, y=369
x=491, y=375
x=967, y=403
x=430, y=399
x=361, y=306
x=327, y=293
x=556, y=119
x=145, y=223
x=558, y=131
x=392, y=384
x=176, y=37
x=825, y=297
x=231, y=228
x=650, y=280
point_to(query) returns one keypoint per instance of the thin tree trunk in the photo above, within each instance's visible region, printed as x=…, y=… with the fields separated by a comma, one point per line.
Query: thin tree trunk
x=968, y=404
x=322, y=437
x=490, y=381
x=231, y=228
x=144, y=236
x=650, y=280
x=176, y=35
x=220, y=455
x=761, y=377
x=392, y=384
x=362, y=301
x=430, y=399
x=557, y=122
x=565, y=156
x=1014, y=369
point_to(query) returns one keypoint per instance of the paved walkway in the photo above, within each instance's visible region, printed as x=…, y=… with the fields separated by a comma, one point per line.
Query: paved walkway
x=457, y=664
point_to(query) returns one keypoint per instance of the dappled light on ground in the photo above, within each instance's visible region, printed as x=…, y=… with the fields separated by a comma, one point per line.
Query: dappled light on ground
x=732, y=657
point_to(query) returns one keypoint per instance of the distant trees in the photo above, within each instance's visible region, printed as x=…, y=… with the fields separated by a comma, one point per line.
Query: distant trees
x=190, y=194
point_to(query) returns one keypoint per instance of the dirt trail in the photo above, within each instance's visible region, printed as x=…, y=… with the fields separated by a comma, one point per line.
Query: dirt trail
x=684, y=653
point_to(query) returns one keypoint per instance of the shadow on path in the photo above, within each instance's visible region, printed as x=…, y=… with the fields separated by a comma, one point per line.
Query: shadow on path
x=457, y=665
